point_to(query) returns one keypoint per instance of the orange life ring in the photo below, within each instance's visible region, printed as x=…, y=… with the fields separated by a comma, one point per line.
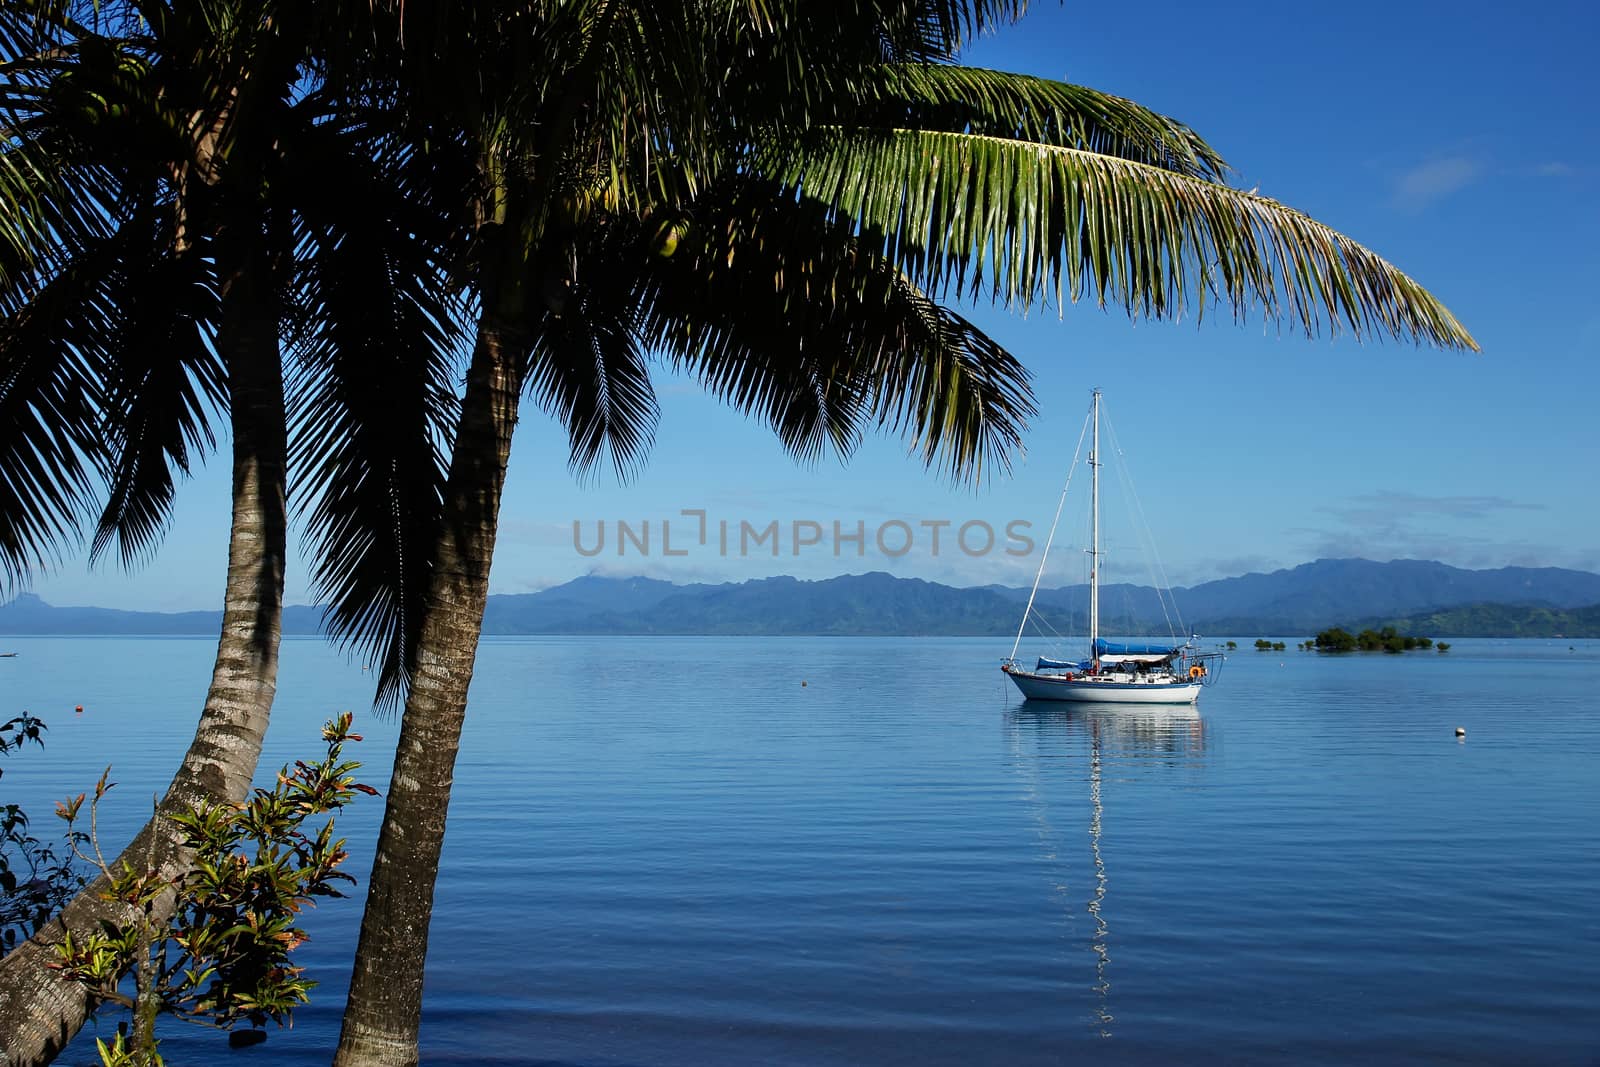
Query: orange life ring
x=1197, y=671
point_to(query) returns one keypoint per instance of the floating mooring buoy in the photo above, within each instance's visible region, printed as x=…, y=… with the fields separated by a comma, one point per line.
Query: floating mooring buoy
x=1461, y=731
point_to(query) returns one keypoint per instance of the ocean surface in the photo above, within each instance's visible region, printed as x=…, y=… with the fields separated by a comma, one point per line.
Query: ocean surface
x=695, y=851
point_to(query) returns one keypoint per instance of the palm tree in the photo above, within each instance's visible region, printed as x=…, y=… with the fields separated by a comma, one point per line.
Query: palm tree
x=565, y=313
x=176, y=197
x=876, y=183
x=116, y=380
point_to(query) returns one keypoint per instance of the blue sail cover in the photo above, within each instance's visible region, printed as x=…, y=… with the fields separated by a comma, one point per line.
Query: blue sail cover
x=1059, y=664
x=1109, y=648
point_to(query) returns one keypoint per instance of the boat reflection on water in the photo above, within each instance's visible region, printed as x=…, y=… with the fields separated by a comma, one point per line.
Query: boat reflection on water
x=1173, y=733
x=1112, y=733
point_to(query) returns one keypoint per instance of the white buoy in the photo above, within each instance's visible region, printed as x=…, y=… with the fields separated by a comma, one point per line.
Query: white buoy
x=1461, y=731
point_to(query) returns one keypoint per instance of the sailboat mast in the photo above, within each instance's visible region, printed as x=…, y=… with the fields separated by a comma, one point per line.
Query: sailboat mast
x=1094, y=528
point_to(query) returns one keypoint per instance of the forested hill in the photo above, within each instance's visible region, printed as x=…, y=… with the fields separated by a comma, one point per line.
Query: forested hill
x=1500, y=620
x=1416, y=596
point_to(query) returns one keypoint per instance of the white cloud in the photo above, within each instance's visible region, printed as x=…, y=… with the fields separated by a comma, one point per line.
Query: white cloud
x=1430, y=182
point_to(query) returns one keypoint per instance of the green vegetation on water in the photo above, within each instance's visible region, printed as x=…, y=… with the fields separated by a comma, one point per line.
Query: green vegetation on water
x=1387, y=639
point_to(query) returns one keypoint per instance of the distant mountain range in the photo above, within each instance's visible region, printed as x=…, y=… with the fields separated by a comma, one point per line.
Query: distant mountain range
x=1418, y=596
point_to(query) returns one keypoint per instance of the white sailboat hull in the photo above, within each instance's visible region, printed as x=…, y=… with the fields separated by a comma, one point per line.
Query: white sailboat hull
x=1103, y=690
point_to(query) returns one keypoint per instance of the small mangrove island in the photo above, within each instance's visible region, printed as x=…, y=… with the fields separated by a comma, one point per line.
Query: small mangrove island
x=1387, y=639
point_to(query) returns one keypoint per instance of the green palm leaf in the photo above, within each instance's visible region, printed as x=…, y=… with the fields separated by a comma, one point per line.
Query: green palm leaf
x=990, y=103
x=1021, y=223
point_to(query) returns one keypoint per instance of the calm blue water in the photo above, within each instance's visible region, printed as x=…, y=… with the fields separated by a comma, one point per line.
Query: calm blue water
x=671, y=851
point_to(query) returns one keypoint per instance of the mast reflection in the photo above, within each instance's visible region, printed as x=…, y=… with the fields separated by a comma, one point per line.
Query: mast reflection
x=1098, y=941
x=1132, y=736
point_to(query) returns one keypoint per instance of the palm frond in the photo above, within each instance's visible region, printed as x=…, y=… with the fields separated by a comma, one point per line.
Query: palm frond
x=650, y=99
x=782, y=312
x=962, y=398
x=939, y=30
x=1020, y=223
x=990, y=103
x=52, y=205
x=586, y=370
x=750, y=323
x=84, y=176
x=161, y=379
x=798, y=63
x=850, y=31
x=376, y=339
x=82, y=122
x=35, y=27
x=48, y=419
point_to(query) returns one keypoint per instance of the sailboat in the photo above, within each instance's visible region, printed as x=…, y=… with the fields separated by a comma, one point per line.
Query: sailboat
x=1114, y=672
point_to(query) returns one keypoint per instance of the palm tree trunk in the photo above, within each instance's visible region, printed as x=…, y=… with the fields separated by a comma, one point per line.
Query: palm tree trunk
x=384, y=1010
x=39, y=1011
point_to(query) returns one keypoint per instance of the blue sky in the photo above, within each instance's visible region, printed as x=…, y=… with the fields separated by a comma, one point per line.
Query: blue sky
x=1457, y=140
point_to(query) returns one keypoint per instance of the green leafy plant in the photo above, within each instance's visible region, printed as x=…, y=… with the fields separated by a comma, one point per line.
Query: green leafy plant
x=36, y=877
x=1387, y=639
x=224, y=955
